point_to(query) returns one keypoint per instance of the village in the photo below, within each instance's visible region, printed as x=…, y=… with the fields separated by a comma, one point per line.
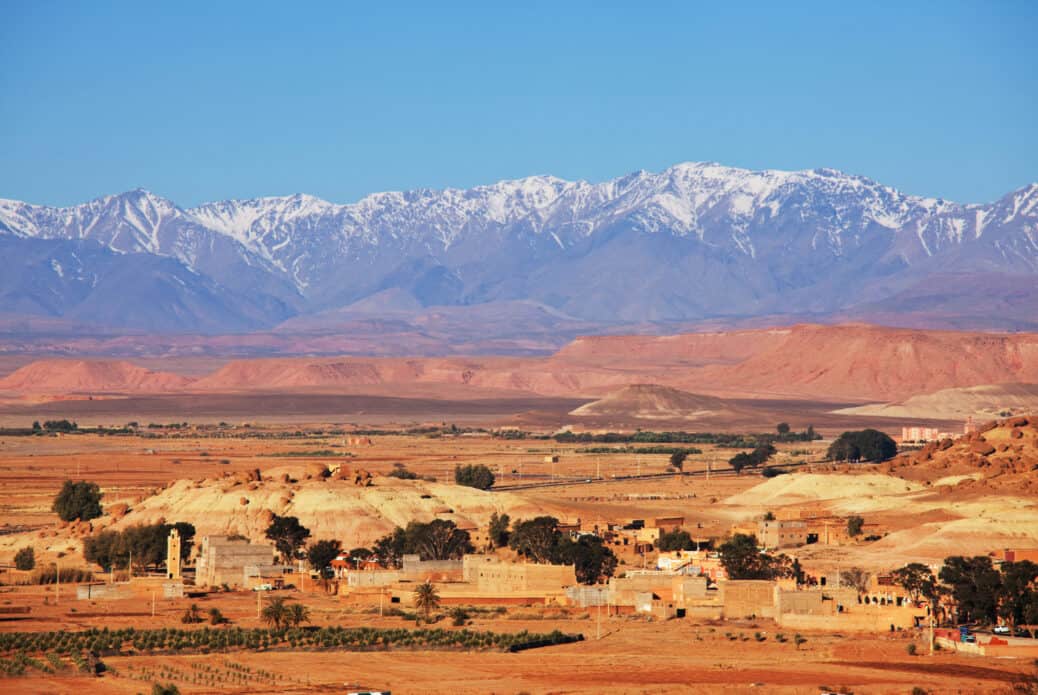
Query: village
x=558, y=549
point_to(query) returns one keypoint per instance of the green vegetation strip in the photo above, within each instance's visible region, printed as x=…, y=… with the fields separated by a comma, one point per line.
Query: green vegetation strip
x=670, y=450
x=105, y=642
x=317, y=453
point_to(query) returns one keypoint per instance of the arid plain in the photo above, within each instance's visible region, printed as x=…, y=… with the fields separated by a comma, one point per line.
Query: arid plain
x=261, y=435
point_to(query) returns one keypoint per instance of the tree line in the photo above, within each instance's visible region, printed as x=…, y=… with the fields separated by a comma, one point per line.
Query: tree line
x=145, y=544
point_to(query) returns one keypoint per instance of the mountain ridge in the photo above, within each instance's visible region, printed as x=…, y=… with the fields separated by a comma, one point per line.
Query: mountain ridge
x=695, y=241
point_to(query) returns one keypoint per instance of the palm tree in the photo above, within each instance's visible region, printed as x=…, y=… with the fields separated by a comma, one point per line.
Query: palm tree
x=297, y=614
x=275, y=613
x=426, y=599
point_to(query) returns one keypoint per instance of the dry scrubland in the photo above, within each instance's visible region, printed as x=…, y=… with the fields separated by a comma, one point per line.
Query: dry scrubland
x=960, y=498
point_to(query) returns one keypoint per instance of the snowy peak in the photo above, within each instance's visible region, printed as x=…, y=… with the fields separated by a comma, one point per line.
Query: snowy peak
x=694, y=240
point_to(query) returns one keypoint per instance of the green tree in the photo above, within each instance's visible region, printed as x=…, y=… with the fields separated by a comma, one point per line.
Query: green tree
x=426, y=599
x=592, y=560
x=391, y=548
x=105, y=549
x=855, y=577
x=762, y=453
x=168, y=689
x=498, y=530
x=742, y=559
x=782, y=428
x=535, y=538
x=975, y=585
x=191, y=615
x=862, y=445
x=677, y=539
x=916, y=579
x=25, y=559
x=321, y=554
x=400, y=471
x=358, y=556
x=474, y=475
x=275, y=613
x=296, y=614
x=740, y=461
x=78, y=500
x=288, y=535
x=677, y=460
x=1017, y=592
x=797, y=572
x=60, y=426
x=459, y=616
x=854, y=525
x=437, y=540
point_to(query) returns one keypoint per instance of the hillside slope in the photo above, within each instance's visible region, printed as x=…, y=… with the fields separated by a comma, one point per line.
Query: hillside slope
x=89, y=376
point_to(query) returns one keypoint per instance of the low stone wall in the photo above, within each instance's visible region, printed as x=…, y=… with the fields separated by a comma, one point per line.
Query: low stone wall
x=103, y=592
x=863, y=618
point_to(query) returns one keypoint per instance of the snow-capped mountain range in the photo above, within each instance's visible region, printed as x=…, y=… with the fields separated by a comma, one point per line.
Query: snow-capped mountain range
x=694, y=241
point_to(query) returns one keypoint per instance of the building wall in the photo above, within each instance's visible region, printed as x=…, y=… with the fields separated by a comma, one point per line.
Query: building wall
x=1020, y=554
x=106, y=592
x=781, y=534
x=376, y=578
x=223, y=561
x=865, y=618
x=587, y=596
x=745, y=597
x=685, y=589
x=418, y=570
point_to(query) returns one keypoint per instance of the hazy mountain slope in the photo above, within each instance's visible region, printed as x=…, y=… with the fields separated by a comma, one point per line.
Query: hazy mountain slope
x=694, y=241
x=81, y=280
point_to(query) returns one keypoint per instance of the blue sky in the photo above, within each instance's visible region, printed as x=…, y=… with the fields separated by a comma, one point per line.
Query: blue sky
x=205, y=101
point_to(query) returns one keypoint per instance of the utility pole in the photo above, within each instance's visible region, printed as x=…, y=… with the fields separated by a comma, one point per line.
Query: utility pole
x=57, y=581
x=258, y=604
x=599, y=620
x=153, y=604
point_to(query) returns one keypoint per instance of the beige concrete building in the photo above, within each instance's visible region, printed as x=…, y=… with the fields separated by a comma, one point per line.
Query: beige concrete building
x=223, y=561
x=780, y=533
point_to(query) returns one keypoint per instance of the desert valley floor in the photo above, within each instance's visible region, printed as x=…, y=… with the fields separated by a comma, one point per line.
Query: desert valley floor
x=248, y=453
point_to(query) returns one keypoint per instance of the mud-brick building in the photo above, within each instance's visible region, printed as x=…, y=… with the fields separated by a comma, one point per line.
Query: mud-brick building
x=492, y=576
x=222, y=560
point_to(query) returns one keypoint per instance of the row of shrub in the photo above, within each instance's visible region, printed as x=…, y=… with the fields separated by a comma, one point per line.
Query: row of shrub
x=107, y=642
x=669, y=450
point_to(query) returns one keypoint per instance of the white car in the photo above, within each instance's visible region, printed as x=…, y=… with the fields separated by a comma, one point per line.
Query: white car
x=1001, y=630
x=263, y=587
